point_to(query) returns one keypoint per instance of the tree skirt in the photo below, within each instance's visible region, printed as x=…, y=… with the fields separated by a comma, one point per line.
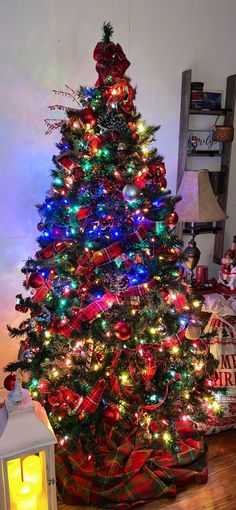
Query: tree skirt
x=132, y=473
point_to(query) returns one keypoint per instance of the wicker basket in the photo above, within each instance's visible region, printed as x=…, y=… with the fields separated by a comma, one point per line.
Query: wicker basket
x=222, y=133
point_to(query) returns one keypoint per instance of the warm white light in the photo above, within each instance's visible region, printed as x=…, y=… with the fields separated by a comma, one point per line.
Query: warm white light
x=32, y=472
x=14, y=476
x=166, y=436
x=25, y=497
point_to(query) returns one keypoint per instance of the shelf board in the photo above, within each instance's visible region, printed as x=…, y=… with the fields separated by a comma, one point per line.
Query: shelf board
x=211, y=154
x=202, y=230
x=221, y=112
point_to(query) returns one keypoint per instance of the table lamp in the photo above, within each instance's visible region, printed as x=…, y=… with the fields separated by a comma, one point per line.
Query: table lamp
x=198, y=204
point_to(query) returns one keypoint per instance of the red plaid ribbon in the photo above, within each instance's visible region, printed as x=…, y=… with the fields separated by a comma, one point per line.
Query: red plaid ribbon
x=116, y=249
x=67, y=162
x=90, y=312
x=53, y=248
x=41, y=293
x=110, y=59
x=138, y=290
x=92, y=401
x=107, y=254
x=78, y=404
x=139, y=234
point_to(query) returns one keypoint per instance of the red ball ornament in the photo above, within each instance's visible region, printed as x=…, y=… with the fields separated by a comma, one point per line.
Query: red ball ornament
x=162, y=182
x=43, y=386
x=88, y=116
x=36, y=280
x=123, y=330
x=60, y=324
x=9, y=382
x=129, y=221
x=172, y=219
x=21, y=308
x=111, y=414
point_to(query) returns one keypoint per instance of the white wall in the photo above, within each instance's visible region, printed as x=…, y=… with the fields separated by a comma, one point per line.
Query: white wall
x=47, y=43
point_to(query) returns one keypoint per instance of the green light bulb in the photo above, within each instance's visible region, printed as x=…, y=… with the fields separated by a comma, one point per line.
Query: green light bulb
x=57, y=181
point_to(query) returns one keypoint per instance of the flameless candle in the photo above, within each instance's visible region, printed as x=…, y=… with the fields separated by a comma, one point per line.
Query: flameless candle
x=14, y=476
x=25, y=497
x=32, y=472
x=201, y=274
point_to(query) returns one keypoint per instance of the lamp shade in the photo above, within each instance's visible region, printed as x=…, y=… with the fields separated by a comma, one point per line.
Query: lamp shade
x=198, y=202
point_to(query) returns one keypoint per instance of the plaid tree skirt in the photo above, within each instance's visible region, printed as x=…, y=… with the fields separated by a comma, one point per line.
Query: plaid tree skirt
x=132, y=473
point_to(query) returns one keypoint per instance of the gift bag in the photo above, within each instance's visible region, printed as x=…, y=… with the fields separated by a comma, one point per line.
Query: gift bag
x=223, y=347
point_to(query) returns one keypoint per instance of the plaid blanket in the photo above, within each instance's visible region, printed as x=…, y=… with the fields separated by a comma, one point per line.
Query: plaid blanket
x=131, y=473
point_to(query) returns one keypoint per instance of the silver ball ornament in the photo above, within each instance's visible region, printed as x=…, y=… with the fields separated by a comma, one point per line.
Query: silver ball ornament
x=131, y=192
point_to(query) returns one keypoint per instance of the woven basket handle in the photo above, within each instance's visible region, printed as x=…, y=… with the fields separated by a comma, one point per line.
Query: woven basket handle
x=215, y=124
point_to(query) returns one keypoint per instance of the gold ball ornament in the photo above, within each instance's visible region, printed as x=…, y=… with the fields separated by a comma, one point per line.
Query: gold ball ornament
x=193, y=332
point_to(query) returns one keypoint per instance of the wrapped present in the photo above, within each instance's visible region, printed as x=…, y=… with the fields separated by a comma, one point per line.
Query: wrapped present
x=223, y=347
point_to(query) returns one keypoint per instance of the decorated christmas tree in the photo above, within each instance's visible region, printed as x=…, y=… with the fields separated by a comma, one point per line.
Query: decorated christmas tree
x=112, y=347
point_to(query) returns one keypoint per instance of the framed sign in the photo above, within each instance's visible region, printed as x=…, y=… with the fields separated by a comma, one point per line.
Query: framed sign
x=201, y=140
x=212, y=100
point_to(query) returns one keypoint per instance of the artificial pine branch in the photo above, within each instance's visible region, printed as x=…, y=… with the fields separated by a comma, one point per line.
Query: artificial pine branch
x=15, y=365
x=107, y=32
x=14, y=332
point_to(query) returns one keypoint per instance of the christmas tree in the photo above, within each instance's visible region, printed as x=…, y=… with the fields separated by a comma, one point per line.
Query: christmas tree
x=112, y=347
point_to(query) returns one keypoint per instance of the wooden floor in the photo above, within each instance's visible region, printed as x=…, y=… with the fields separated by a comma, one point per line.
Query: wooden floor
x=218, y=494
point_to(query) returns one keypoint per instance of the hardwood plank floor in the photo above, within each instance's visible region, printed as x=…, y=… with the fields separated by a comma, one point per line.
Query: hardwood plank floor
x=218, y=494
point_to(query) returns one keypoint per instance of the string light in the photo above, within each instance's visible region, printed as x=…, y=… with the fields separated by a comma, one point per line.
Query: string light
x=198, y=366
x=175, y=349
x=153, y=331
x=216, y=406
x=124, y=378
x=93, y=183
x=166, y=437
x=140, y=127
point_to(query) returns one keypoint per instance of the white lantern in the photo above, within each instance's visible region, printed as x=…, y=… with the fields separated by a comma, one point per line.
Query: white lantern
x=27, y=478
